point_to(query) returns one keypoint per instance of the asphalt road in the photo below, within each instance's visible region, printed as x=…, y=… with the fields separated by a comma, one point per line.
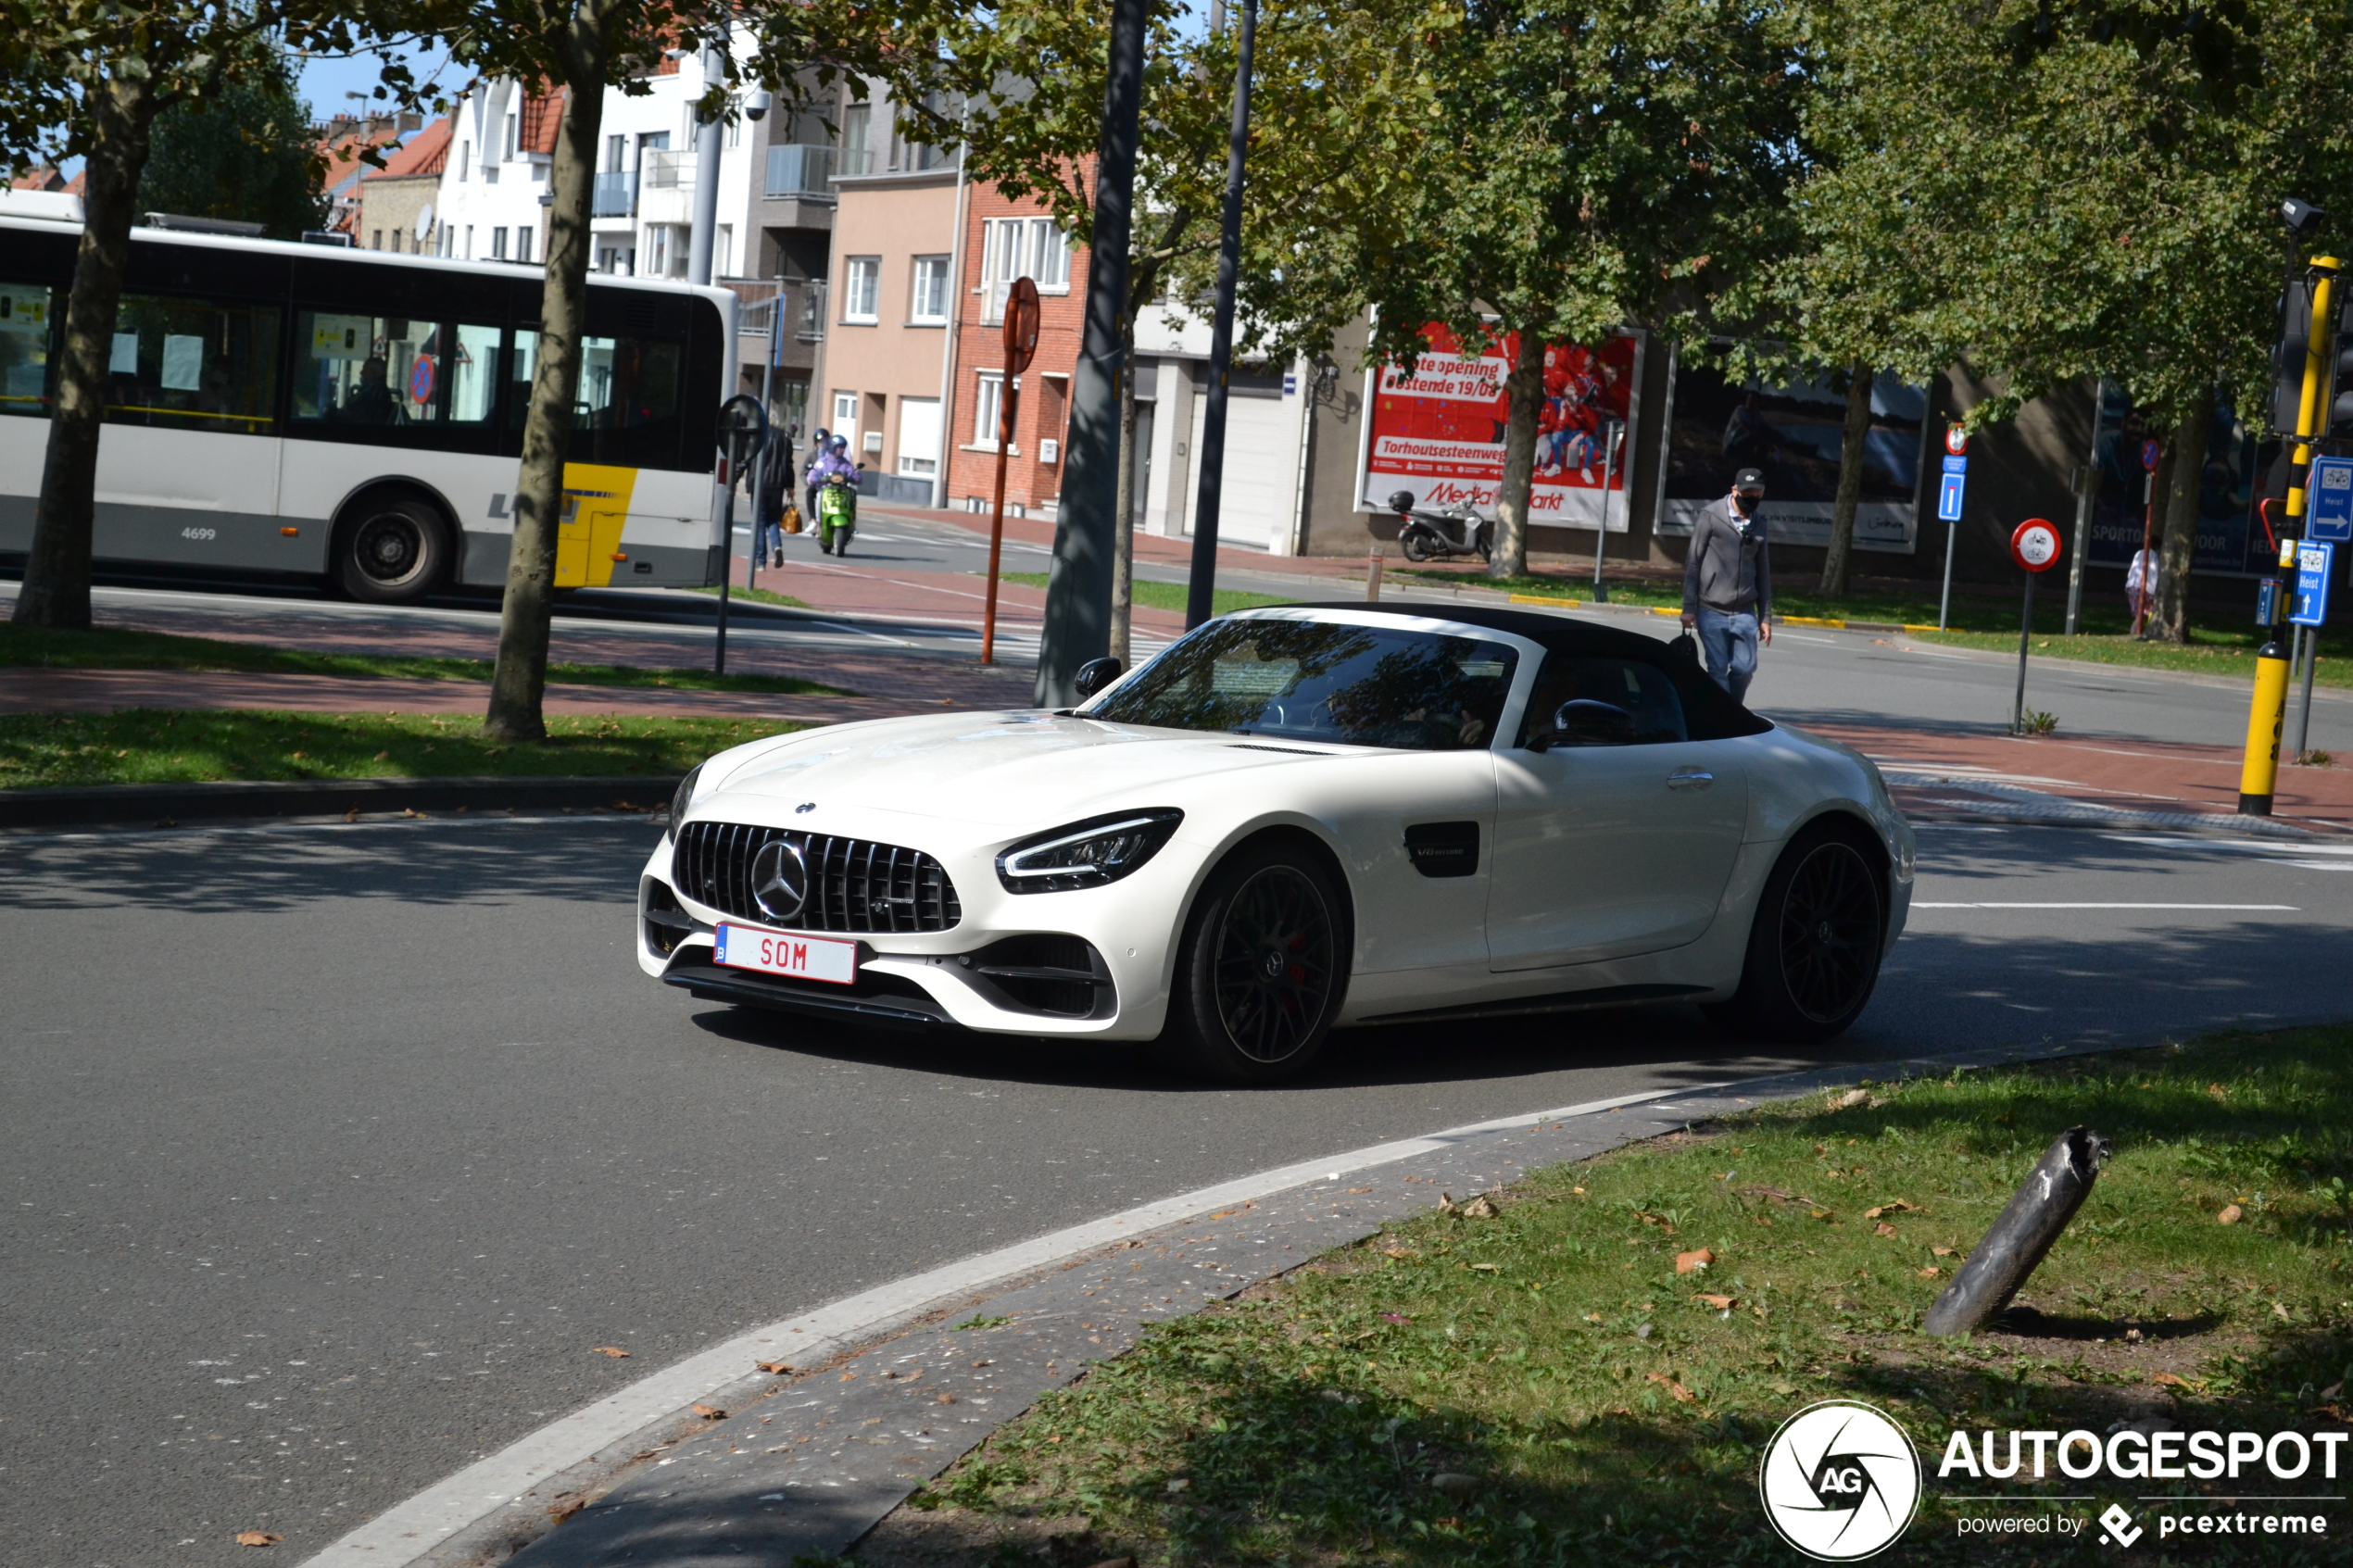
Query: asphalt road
x=331, y=1153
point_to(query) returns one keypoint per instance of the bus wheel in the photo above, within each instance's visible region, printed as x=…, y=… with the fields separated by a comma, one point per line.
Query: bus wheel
x=392, y=552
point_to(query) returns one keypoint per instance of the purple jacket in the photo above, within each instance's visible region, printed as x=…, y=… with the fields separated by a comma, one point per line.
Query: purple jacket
x=829, y=464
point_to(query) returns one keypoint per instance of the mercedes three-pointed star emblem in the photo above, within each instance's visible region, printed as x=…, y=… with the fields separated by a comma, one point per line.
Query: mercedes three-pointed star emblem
x=780, y=879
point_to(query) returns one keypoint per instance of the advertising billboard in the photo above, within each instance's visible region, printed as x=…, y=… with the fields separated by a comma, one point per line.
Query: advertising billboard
x=1438, y=433
x=1716, y=426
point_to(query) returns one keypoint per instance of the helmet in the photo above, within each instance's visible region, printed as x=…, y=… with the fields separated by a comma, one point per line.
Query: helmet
x=840, y=444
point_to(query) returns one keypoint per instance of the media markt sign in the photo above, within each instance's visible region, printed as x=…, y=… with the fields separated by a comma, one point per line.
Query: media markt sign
x=1840, y=1481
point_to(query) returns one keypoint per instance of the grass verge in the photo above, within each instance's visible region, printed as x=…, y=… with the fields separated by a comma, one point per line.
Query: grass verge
x=1167, y=595
x=156, y=746
x=1543, y=1387
x=2104, y=635
x=117, y=649
x=758, y=596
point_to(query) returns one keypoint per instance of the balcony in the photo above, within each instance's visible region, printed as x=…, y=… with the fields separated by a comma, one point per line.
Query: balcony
x=804, y=173
x=614, y=194
x=802, y=300
x=665, y=169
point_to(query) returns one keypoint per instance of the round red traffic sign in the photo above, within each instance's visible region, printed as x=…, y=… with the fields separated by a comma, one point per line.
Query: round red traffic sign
x=2035, y=544
x=1955, y=440
x=421, y=379
x=2151, y=455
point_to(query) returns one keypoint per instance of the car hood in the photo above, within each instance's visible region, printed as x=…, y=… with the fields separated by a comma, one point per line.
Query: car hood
x=1013, y=770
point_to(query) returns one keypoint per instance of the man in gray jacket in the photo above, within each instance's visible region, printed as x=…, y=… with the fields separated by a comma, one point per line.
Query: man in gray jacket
x=1728, y=584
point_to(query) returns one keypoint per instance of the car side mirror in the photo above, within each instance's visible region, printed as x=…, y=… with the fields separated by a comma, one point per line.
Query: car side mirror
x=1095, y=674
x=1584, y=721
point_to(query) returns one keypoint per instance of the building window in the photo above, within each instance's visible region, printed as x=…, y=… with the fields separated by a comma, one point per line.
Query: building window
x=378, y=242
x=498, y=243
x=465, y=153
x=929, y=304
x=919, y=437
x=470, y=242
x=864, y=290
x=509, y=151
x=736, y=120
x=616, y=154
x=523, y=243
x=987, y=408
x=1021, y=247
x=856, y=125
x=723, y=250
x=657, y=249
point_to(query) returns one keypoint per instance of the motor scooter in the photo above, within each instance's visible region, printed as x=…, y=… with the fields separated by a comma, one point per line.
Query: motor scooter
x=1457, y=531
x=837, y=514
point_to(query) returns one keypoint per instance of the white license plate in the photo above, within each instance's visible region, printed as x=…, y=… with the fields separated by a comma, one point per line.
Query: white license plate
x=776, y=952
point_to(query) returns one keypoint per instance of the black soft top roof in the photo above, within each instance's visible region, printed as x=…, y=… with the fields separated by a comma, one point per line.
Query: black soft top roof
x=1708, y=707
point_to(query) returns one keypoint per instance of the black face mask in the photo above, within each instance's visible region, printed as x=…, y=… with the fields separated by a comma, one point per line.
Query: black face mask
x=1746, y=504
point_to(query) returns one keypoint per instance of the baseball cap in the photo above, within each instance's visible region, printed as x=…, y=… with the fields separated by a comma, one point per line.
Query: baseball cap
x=1749, y=479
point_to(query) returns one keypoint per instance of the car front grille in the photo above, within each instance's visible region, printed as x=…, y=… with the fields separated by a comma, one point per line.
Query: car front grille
x=855, y=885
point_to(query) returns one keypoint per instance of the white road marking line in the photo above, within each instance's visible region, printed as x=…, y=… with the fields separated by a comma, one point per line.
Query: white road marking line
x=409, y=1530
x=2322, y=865
x=2289, y=909
x=2272, y=847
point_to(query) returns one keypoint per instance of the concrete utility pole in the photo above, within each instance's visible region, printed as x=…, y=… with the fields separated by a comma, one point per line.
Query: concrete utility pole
x=703, y=239
x=1078, y=592
x=1200, y=597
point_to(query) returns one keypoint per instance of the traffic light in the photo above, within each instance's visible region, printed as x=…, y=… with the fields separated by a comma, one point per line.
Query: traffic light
x=2290, y=338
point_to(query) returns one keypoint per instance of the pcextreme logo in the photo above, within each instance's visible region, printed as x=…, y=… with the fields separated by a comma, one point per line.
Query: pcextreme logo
x=1840, y=1481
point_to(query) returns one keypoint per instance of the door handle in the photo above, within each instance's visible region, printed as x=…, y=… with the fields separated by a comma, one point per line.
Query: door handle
x=1690, y=778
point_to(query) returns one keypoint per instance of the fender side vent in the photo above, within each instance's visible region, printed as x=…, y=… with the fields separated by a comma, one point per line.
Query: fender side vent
x=1443, y=848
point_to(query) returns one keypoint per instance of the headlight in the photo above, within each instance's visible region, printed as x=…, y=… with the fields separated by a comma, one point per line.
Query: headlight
x=684, y=796
x=1085, y=854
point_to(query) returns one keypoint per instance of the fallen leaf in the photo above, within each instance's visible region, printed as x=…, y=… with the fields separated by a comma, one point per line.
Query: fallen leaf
x=615, y=1351
x=2169, y=1378
x=2218, y=1091
x=1485, y=1268
x=1680, y=1393
x=564, y=1508
x=1395, y=1317
x=2231, y=1215
x=2281, y=1313
x=1851, y=1098
x=1179, y=1483
x=1400, y=1253
x=1783, y=1388
x=412, y=811
x=1898, y=1207
x=1360, y=1189
x=352, y=815
x=776, y=1368
x=1930, y=1271
x=984, y=1363
x=1592, y=1317
x=1721, y=1303
x=1882, y=1228
x=2332, y=1411
x=849, y=1377
x=1480, y=1209
x=1578, y=1191
x=1822, y=1214
x=1692, y=1262
x=257, y=1538
x=1942, y=1252
x=943, y=1398
x=710, y=1412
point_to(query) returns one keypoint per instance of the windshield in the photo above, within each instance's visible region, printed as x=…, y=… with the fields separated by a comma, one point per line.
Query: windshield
x=1320, y=681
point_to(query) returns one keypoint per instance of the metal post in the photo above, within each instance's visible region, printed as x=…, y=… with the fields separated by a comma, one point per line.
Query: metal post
x=1078, y=625
x=2146, y=559
x=726, y=573
x=2025, y=636
x=1601, y=534
x=1006, y=399
x=702, y=239
x=760, y=468
x=2304, y=711
x=2087, y=482
x=1200, y=597
x=1944, y=605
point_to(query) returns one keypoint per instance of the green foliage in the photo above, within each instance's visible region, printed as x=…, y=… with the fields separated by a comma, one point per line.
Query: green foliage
x=242, y=153
x=1589, y=1404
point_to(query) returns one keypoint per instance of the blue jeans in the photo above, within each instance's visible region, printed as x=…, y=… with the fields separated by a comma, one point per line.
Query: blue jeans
x=767, y=536
x=1729, y=643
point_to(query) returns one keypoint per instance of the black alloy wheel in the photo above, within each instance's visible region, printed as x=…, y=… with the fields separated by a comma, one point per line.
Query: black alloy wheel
x=393, y=553
x=1829, y=932
x=1485, y=538
x=1813, y=949
x=1261, y=971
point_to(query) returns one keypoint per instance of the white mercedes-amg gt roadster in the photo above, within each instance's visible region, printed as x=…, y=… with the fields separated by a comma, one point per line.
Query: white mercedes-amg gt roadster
x=1295, y=820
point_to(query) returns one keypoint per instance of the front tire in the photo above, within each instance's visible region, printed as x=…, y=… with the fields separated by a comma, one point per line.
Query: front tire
x=1414, y=545
x=1261, y=969
x=1485, y=539
x=393, y=551
x=1814, y=951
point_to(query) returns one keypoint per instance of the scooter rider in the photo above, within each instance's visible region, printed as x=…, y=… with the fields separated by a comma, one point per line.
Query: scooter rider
x=833, y=466
x=817, y=445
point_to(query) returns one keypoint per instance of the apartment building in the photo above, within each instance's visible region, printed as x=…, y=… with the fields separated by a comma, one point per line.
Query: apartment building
x=396, y=204
x=893, y=271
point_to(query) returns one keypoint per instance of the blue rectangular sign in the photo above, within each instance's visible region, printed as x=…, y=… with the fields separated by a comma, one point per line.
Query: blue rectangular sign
x=2330, y=498
x=1955, y=465
x=1949, y=497
x=2311, y=607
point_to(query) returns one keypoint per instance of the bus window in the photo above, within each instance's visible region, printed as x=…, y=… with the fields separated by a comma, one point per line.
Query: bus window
x=192, y=365
x=625, y=409
x=24, y=349
x=473, y=374
x=366, y=369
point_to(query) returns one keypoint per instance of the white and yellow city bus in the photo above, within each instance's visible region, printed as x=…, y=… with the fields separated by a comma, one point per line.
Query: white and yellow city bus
x=309, y=412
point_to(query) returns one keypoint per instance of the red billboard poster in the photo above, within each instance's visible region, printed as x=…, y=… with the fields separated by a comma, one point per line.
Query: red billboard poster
x=1438, y=433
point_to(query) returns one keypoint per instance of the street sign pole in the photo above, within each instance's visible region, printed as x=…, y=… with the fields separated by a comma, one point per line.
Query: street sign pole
x=760, y=468
x=1950, y=492
x=1612, y=432
x=2035, y=547
x=742, y=430
x=1019, y=343
x=1201, y=596
x=2314, y=560
x=2151, y=455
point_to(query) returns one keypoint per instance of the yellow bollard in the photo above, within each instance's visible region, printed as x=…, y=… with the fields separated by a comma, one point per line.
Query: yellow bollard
x=2259, y=776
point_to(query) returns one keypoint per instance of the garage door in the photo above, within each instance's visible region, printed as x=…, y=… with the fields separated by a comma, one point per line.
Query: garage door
x=1261, y=470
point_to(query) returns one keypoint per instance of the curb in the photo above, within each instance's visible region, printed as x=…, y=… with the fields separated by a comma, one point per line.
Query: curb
x=143, y=805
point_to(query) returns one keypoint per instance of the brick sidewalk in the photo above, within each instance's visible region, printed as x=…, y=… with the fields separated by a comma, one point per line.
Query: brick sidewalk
x=1993, y=774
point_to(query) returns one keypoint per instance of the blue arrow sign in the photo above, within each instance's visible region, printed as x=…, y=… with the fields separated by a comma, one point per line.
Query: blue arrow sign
x=2329, y=496
x=1948, y=493
x=2311, y=584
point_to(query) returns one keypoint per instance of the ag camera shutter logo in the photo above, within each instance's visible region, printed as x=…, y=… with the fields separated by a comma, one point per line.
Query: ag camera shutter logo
x=1840, y=1482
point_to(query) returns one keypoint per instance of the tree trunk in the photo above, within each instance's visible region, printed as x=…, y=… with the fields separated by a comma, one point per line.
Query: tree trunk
x=1123, y=535
x=521, y=679
x=1524, y=389
x=2181, y=523
x=56, y=572
x=1851, y=444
